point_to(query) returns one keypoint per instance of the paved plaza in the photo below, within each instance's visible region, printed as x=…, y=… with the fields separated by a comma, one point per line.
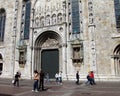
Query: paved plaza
x=69, y=88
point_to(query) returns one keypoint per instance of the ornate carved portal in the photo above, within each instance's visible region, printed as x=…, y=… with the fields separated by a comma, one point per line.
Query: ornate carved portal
x=46, y=42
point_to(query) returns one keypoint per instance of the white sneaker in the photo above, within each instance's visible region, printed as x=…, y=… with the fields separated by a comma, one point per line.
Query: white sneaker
x=36, y=91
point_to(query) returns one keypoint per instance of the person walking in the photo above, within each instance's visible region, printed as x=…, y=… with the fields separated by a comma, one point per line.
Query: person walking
x=41, y=83
x=89, y=80
x=16, y=80
x=92, y=78
x=77, y=77
x=36, y=78
x=57, y=78
x=60, y=77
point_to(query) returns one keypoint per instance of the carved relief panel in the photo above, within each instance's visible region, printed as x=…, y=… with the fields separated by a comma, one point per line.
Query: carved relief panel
x=51, y=11
x=50, y=43
x=77, y=53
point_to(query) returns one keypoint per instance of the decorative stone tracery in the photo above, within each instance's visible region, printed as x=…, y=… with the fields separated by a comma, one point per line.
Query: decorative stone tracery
x=50, y=43
x=51, y=13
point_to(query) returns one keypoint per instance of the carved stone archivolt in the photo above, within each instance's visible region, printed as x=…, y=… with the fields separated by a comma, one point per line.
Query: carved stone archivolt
x=50, y=43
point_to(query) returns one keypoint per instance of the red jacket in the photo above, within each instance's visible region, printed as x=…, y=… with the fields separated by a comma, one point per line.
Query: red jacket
x=92, y=75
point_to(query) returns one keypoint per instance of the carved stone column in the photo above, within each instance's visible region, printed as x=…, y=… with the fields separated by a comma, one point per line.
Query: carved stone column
x=91, y=29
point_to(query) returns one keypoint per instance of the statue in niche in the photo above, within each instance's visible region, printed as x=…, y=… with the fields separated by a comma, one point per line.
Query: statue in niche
x=36, y=12
x=58, y=5
x=90, y=14
x=48, y=20
x=76, y=53
x=37, y=22
x=48, y=8
x=90, y=8
x=91, y=20
x=42, y=22
x=54, y=19
x=59, y=18
x=54, y=8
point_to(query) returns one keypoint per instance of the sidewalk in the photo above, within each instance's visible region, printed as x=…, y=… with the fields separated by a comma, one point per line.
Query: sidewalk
x=69, y=88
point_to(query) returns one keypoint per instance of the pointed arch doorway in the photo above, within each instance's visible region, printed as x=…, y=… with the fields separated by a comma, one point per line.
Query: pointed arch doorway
x=116, y=57
x=50, y=61
x=47, y=52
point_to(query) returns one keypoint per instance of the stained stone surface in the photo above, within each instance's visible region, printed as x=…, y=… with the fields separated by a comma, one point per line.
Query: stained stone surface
x=69, y=88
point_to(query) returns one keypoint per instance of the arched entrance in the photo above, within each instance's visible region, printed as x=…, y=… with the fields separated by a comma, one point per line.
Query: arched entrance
x=46, y=53
x=1, y=64
x=116, y=57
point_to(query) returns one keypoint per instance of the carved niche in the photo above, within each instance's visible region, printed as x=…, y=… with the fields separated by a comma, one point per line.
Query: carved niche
x=77, y=53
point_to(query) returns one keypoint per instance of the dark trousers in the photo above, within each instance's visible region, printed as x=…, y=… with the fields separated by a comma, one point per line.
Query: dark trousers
x=16, y=82
x=60, y=79
x=57, y=80
x=93, y=81
x=77, y=82
x=41, y=85
x=89, y=81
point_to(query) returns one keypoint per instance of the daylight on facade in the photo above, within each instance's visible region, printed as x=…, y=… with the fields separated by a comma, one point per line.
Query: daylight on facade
x=60, y=35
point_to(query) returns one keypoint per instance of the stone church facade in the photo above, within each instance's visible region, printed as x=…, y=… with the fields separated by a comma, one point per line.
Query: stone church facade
x=60, y=35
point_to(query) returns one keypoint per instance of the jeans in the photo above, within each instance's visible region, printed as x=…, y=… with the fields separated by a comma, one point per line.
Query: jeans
x=35, y=85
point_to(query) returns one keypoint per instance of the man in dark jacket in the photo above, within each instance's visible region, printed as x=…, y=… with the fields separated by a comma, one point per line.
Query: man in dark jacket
x=17, y=76
x=41, y=83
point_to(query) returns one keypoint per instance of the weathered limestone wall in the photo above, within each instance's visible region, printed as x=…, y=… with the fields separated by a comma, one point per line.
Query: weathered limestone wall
x=104, y=20
x=6, y=46
x=99, y=38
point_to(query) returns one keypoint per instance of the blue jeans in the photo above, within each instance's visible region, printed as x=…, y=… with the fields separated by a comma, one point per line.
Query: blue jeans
x=35, y=85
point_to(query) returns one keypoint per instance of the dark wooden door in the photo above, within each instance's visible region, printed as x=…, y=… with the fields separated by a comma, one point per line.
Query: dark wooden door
x=50, y=62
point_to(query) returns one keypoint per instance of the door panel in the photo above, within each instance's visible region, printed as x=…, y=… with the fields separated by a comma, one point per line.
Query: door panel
x=50, y=62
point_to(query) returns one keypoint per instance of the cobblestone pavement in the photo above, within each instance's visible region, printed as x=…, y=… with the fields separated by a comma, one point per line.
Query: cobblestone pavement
x=69, y=88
